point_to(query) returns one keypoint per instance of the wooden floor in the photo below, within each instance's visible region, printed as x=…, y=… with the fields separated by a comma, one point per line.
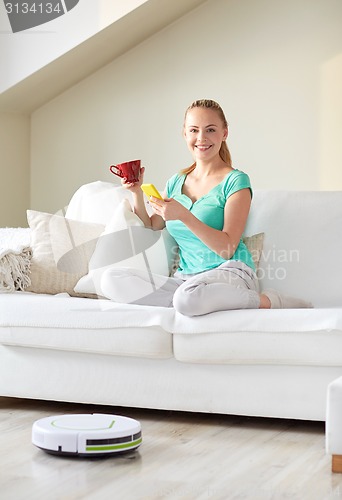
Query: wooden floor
x=183, y=456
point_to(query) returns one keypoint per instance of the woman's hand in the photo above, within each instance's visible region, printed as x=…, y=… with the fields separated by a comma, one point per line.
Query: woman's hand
x=139, y=207
x=169, y=209
x=134, y=187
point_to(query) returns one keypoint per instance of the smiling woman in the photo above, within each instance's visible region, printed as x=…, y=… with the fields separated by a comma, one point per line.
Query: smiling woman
x=205, y=208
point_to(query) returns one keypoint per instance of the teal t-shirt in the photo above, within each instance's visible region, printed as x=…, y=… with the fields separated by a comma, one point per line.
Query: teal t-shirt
x=194, y=256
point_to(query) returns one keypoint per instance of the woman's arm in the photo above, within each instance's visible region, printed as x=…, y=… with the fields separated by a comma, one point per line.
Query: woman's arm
x=155, y=221
x=224, y=242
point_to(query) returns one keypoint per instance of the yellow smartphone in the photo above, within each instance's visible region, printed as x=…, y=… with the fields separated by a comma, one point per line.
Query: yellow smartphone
x=151, y=190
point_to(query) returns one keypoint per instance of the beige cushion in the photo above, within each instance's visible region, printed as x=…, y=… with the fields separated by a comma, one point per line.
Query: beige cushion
x=61, y=250
x=255, y=245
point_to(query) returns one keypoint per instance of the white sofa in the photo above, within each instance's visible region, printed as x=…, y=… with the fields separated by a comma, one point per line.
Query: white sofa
x=273, y=363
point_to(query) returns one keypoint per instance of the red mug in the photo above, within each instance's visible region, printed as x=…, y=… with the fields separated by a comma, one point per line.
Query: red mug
x=130, y=170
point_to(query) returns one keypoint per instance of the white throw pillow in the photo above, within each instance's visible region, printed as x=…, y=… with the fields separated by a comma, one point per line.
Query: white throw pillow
x=96, y=202
x=125, y=242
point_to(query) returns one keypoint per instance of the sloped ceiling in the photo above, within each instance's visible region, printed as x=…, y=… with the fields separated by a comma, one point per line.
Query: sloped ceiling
x=99, y=50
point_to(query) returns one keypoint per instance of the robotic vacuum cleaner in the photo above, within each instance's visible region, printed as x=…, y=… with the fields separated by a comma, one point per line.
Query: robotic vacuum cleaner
x=87, y=435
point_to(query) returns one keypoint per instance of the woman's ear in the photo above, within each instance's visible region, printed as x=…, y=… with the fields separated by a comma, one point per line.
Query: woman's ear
x=226, y=133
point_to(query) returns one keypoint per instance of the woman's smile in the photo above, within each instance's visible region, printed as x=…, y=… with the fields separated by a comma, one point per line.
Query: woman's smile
x=202, y=147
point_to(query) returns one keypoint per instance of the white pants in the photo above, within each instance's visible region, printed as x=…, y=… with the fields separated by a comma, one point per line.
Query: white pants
x=232, y=285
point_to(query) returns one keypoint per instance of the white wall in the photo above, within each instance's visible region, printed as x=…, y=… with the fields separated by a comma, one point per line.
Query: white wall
x=60, y=35
x=274, y=66
x=14, y=169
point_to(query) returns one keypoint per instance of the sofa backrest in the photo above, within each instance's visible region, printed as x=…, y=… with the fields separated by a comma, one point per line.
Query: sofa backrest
x=302, y=249
x=302, y=252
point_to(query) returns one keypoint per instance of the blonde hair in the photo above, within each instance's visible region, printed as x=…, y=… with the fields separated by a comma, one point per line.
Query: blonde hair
x=224, y=151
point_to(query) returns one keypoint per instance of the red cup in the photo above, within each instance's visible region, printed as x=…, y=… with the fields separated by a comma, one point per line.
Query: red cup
x=130, y=170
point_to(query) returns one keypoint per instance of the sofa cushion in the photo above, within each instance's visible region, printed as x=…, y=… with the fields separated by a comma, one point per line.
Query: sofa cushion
x=82, y=325
x=288, y=337
x=291, y=337
x=319, y=348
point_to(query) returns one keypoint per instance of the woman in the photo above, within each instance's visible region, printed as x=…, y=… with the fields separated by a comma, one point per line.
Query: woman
x=205, y=208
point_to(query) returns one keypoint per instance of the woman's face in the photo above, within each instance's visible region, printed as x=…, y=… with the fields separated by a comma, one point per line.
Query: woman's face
x=204, y=133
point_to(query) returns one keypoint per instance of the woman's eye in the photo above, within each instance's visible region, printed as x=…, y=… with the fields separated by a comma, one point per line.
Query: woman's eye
x=193, y=130
x=211, y=130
